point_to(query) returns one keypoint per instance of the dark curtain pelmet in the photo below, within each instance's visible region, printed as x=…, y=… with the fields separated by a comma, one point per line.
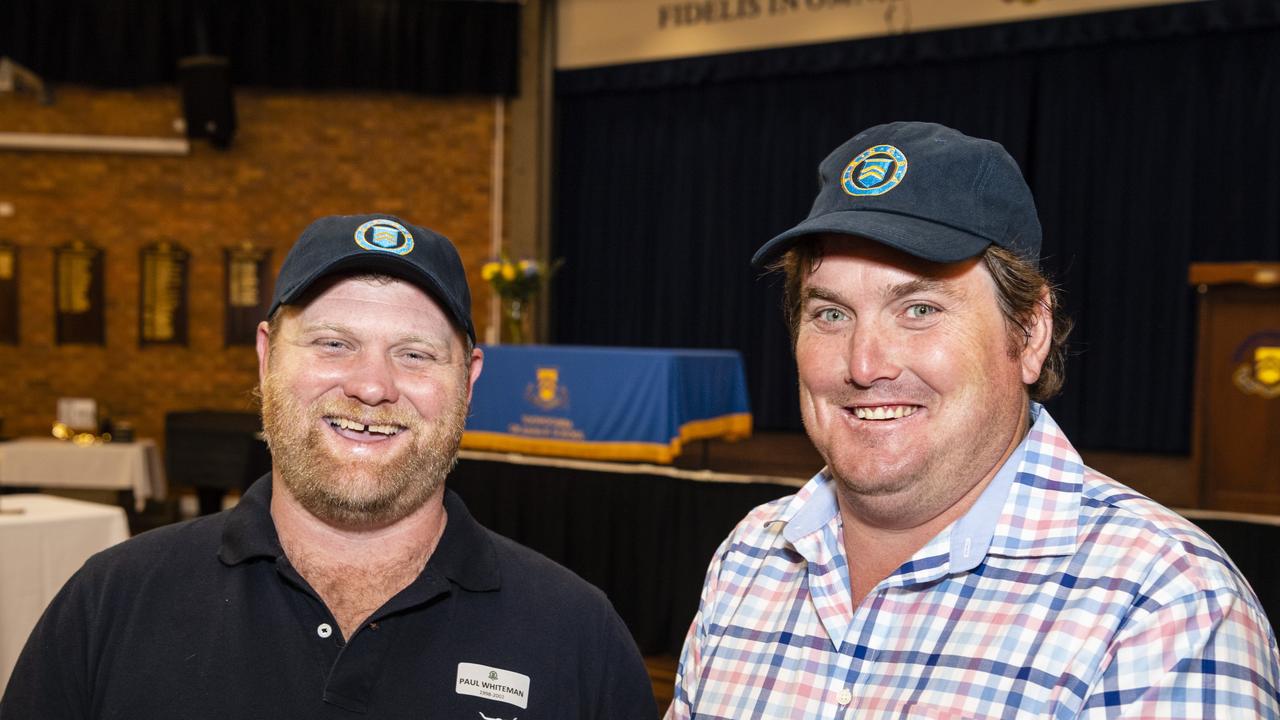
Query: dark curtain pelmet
x=437, y=47
x=1147, y=137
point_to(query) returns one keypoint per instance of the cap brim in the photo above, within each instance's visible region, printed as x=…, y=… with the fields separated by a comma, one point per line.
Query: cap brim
x=384, y=264
x=921, y=238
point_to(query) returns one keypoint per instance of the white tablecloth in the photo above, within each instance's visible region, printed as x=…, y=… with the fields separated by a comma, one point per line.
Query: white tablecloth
x=49, y=463
x=39, y=549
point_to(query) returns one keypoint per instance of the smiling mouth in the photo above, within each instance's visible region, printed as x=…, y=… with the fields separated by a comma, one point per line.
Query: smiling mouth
x=384, y=430
x=884, y=412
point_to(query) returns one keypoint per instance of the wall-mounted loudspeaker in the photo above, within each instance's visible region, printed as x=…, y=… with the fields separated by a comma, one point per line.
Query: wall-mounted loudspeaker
x=207, y=103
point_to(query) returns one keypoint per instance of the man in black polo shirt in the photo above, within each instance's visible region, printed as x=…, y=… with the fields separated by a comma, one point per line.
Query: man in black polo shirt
x=350, y=581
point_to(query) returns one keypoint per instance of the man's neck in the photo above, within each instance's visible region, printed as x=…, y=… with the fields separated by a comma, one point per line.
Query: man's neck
x=877, y=545
x=874, y=550
x=356, y=570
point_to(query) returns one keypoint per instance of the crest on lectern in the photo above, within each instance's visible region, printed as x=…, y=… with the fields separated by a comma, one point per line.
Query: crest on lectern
x=1258, y=368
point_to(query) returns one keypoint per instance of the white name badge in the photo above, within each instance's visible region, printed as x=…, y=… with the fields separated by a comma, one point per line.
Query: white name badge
x=493, y=683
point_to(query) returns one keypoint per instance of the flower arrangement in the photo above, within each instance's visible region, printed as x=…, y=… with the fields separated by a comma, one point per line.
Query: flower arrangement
x=516, y=283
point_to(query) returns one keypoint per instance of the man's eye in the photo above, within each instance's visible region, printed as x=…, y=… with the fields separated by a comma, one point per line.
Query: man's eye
x=916, y=312
x=831, y=315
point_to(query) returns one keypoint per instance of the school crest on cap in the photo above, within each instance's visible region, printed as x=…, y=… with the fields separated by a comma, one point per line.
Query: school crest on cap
x=384, y=236
x=875, y=171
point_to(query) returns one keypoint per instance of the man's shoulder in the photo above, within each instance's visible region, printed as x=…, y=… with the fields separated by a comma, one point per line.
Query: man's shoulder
x=173, y=547
x=535, y=592
x=762, y=527
x=1122, y=525
x=757, y=540
x=537, y=578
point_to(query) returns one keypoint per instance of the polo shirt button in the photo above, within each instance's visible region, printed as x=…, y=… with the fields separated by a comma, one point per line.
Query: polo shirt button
x=324, y=630
x=845, y=697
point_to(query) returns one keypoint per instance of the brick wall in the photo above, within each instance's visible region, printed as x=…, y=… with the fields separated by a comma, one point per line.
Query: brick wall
x=296, y=156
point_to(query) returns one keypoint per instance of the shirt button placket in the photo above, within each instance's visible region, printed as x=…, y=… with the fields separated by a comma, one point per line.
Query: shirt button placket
x=841, y=695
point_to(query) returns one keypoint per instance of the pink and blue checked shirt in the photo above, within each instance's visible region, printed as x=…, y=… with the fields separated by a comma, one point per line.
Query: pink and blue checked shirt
x=1060, y=594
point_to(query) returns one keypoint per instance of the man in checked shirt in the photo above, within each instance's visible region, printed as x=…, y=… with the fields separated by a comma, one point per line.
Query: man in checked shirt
x=955, y=558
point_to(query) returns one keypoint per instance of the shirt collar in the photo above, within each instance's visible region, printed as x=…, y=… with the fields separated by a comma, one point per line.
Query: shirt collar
x=811, y=508
x=1041, y=517
x=971, y=533
x=465, y=555
x=1030, y=508
x=249, y=532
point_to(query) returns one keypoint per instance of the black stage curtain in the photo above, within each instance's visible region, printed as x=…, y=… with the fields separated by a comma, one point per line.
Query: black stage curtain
x=646, y=540
x=1251, y=547
x=1146, y=136
x=426, y=46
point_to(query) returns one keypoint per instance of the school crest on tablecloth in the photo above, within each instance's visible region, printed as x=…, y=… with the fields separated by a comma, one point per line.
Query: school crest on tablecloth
x=547, y=393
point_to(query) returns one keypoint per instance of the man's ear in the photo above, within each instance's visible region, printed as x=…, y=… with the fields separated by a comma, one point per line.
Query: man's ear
x=477, y=364
x=1039, y=336
x=263, y=344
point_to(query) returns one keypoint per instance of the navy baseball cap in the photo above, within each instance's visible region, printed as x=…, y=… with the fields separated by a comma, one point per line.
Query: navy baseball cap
x=924, y=189
x=377, y=244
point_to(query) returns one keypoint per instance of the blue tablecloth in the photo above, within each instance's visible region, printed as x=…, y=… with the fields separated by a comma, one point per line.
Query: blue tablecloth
x=606, y=403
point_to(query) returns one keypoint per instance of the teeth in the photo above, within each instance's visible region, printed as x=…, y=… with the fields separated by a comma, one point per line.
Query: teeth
x=884, y=412
x=357, y=427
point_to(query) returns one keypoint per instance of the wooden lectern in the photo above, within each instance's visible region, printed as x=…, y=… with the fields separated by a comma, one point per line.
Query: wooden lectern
x=1235, y=444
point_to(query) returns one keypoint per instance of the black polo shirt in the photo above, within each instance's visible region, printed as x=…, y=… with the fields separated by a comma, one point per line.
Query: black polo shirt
x=207, y=619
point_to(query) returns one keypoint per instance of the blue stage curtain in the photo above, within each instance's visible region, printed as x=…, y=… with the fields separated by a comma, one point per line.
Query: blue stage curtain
x=1146, y=135
x=436, y=47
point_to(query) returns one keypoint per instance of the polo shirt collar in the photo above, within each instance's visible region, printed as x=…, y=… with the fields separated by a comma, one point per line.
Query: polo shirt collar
x=249, y=532
x=465, y=554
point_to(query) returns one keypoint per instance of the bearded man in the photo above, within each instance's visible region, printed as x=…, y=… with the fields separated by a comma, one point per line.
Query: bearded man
x=348, y=582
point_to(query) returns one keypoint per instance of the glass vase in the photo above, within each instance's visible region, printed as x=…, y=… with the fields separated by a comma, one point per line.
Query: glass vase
x=515, y=318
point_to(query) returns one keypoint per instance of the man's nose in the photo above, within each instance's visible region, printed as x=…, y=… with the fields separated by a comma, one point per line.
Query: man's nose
x=371, y=380
x=871, y=357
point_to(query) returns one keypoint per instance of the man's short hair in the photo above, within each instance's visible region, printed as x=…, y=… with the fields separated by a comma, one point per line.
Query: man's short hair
x=1018, y=288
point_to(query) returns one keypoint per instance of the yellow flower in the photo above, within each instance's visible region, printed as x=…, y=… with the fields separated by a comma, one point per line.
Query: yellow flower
x=490, y=270
x=508, y=271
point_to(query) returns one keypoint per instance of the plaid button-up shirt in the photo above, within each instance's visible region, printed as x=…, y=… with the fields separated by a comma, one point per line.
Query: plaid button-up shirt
x=1060, y=594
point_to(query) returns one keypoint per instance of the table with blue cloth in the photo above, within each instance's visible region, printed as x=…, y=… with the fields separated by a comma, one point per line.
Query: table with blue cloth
x=606, y=403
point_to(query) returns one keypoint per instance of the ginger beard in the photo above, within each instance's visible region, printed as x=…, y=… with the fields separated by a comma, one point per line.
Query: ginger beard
x=358, y=492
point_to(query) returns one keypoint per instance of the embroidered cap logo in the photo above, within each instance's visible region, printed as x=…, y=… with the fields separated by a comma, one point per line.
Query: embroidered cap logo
x=384, y=236
x=875, y=171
